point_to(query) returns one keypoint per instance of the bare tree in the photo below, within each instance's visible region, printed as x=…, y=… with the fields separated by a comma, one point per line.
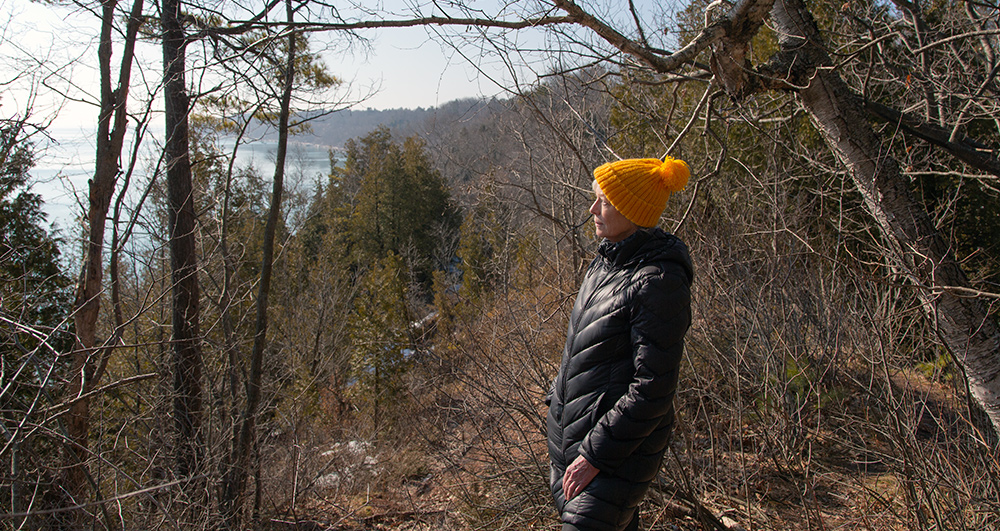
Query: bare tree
x=90, y=358
x=243, y=445
x=188, y=441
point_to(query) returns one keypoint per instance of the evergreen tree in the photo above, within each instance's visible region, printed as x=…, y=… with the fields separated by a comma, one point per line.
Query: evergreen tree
x=481, y=240
x=401, y=204
x=379, y=330
x=33, y=287
x=35, y=328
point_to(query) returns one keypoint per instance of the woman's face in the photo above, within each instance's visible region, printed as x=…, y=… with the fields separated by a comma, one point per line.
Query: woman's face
x=610, y=223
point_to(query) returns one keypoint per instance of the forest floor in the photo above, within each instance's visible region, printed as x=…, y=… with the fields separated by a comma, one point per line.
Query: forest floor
x=740, y=484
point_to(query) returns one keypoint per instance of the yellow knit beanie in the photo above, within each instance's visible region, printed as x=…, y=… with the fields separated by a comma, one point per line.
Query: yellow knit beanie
x=639, y=188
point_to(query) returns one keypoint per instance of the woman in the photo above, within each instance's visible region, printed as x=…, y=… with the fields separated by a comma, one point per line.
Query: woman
x=611, y=405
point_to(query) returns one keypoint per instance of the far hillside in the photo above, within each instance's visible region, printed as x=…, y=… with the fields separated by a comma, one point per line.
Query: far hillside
x=462, y=136
x=336, y=128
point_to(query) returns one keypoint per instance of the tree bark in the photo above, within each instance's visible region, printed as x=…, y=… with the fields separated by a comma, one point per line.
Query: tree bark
x=181, y=224
x=111, y=125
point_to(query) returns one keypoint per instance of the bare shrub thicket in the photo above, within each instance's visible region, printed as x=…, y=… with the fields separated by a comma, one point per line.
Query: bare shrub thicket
x=505, y=358
x=803, y=388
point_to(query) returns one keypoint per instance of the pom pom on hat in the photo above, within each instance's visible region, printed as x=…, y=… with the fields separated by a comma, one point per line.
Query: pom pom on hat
x=674, y=173
x=639, y=188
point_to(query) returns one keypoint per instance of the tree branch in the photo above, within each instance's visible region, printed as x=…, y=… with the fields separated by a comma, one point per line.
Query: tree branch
x=407, y=23
x=963, y=148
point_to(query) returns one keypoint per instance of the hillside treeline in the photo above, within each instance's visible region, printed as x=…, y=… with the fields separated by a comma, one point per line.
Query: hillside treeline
x=371, y=350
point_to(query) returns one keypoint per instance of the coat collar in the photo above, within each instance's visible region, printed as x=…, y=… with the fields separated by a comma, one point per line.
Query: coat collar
x=619, y=253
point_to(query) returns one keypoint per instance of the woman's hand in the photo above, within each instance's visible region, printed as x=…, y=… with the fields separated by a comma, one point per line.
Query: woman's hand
x=579, y=474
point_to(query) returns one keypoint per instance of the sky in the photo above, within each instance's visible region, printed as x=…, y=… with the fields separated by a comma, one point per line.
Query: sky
x=52, y=49
x=408, y=68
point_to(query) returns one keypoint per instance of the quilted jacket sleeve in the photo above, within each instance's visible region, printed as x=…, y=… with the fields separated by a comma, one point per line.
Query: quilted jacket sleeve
x=660, y=316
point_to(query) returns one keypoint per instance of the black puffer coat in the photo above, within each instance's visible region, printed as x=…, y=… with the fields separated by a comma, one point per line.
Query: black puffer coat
x=612, y=400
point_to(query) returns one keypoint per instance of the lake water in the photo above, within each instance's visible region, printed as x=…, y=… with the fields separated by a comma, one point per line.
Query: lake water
x=310, y=159
x=63, y=169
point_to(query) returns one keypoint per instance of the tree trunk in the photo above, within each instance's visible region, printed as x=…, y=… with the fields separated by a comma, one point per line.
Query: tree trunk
x=84, y=371
x=918, y=250
x=181, y=225
x=235, y=481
